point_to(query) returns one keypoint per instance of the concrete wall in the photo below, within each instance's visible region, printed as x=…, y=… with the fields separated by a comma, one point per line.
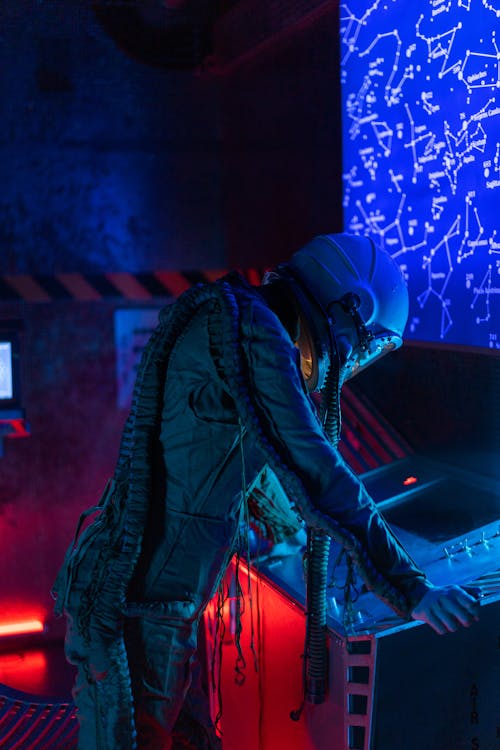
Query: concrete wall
x=105, y=163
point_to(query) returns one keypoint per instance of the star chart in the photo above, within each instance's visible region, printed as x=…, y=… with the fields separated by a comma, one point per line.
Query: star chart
x=421, y=145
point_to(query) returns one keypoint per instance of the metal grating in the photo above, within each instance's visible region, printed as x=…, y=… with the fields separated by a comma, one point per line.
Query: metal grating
x=368, y=439
x=29, y=722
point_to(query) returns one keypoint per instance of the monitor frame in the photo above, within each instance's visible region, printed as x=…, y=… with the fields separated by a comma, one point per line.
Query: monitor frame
x=9, y=335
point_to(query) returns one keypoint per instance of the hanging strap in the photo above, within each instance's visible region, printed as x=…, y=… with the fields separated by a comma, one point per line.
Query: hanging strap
x=62, y=585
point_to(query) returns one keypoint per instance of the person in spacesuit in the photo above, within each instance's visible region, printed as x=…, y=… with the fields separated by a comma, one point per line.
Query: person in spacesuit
x=223, y=391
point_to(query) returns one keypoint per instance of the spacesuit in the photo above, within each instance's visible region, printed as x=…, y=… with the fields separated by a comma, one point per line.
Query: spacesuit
x=224, y=389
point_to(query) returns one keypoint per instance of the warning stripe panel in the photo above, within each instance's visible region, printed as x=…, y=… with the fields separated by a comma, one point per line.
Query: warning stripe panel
x=215, y=274
x=28, y=288
x=79, y=287
x=128, y=285
x=53, y=287
x=8, y=293
x=194, y=277
x=174, y=283
x=102, y=285
x=92, y=287
x=152, y=284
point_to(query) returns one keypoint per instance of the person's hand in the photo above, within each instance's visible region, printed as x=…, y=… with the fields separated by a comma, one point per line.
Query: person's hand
x=446, y=608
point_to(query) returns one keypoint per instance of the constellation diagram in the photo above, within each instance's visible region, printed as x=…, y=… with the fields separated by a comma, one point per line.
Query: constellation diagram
x=421, y=134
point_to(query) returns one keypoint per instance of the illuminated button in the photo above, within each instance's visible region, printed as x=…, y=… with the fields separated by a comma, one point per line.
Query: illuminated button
x=409, y=481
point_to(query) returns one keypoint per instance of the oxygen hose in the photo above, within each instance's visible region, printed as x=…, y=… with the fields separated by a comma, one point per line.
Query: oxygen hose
x=318, y=544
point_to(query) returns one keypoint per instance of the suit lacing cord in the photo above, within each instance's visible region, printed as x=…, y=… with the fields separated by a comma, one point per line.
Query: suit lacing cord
x=237, y=595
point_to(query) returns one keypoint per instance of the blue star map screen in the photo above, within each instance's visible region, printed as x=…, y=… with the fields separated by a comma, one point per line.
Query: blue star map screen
x=421, y=155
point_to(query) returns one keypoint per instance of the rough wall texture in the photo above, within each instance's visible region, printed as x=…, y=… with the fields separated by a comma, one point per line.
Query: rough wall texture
x=105, y=163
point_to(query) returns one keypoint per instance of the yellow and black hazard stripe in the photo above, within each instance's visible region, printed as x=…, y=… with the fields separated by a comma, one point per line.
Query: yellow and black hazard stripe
x=90, y=287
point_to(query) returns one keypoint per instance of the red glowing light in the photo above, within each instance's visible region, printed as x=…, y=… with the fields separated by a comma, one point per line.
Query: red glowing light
x=410, y=480
x=21, y=627
x=25, y=670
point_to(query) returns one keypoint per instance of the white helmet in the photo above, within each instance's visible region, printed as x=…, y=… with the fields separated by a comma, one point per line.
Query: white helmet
x=359, y=291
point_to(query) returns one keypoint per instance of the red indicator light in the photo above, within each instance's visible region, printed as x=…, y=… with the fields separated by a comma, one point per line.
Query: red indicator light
x=410, y=480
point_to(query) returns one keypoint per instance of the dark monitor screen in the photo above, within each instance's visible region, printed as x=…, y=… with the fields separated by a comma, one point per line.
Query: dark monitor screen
x=421, y=155
x=444, y=510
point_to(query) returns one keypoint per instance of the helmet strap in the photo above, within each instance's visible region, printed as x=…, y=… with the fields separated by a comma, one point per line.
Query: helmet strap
x=350, y=304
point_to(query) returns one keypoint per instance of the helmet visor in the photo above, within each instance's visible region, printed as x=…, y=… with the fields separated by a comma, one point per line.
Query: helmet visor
x=311, y=356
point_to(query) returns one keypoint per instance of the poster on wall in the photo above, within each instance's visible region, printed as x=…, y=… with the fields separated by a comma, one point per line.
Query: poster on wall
x=133, y=328
x=421, y=155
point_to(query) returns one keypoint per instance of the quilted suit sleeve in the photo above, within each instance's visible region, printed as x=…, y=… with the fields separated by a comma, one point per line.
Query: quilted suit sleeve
x=335, y=495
